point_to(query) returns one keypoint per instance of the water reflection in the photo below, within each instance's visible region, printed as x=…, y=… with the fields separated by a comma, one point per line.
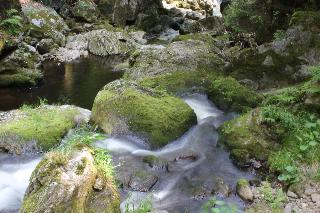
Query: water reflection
x=76, y=83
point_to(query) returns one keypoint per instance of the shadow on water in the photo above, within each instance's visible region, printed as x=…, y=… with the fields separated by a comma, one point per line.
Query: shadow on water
x=74, y=83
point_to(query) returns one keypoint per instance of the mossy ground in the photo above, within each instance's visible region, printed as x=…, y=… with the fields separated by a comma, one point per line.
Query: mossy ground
x=228, y=94
x=44, y=124
x=161, y=119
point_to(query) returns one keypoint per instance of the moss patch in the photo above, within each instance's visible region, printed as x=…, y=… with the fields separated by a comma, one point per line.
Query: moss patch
x=230, y=95
x=160, y=118
x=309, y=20
x=46, y=125
x=181, y=81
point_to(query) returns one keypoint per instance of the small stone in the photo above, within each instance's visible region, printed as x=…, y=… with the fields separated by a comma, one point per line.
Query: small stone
x=315, y=198
x=309, y=191
x=268, y=61
x=288, y=208
x=243, y=190
x=304, y=205
x=292, y=195
x=98, y=185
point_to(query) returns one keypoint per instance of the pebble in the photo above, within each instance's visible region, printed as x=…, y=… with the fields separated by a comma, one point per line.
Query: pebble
x=315, y=198
x=292, y=195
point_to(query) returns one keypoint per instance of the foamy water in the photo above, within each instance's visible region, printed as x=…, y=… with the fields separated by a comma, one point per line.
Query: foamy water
x=14, y=180
x=200, y=159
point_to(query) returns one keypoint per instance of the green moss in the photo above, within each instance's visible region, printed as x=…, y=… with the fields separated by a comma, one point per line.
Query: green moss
x=247, y=133
x=229, y=94
x=46, y=125
x=207, y=38
x=242, y=183
x=308, y=19
x=240, y=156
x=162, y=119
x=21, y=78
x=180, y=81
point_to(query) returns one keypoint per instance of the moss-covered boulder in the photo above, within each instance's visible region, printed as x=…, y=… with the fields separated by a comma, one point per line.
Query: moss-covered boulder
x=30, y=130
x=228, y=94
x=189, y=55
x=181, y=81
x=21, y=67
x=45, y=22
x=309, y=20
x=85, y=10
x=72, y=181
x=243, y=190
x=123, y=107
x=247, y=135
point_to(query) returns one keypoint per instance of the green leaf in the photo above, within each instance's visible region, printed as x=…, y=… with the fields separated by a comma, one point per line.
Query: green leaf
x=313, y=143
x=303, y=147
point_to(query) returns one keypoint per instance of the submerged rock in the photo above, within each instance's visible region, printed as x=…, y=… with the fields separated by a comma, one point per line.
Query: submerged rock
x=123, y=107
x=21, y=67
x=30, y=130
x=71, y=182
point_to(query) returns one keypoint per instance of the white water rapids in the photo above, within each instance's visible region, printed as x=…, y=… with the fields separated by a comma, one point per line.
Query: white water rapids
x=172, y=190
x=14, y=180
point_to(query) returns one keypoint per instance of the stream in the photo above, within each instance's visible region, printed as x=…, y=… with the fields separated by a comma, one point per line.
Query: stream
x=189, y=170
x=76, y=83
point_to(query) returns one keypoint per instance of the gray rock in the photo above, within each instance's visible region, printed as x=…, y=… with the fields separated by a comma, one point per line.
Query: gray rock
x=243, y=190
x=315, y=198
x=292, y=195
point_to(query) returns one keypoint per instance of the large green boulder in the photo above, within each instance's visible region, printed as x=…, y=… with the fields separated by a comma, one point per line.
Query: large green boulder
x=123, y=107
x=187, y=55
x=78, y=180
x=228, y=94
x=21, y=67
x=29, y=130
x=247, y=135
x=45, y=22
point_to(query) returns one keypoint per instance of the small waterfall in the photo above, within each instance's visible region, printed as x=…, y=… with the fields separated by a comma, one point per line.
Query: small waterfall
x=216, y=9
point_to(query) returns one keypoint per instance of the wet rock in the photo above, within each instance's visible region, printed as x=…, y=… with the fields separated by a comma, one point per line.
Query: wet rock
x=21, y=67
x=45, y=22
x=243, y=190
x=66, y=181
x=142, y=181
x=221, y=188
x=122, y=107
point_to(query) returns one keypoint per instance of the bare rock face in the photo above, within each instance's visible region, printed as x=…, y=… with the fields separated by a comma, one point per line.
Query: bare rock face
x=70, y=182
x=127, y=11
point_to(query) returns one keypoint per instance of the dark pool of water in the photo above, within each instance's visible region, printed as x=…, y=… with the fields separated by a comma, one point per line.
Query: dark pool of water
x=74, y=83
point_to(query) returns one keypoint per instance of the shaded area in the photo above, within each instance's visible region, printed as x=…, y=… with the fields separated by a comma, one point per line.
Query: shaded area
x=74, y=83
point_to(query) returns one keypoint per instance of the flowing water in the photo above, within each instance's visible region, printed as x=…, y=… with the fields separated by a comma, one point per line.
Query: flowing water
x=194, y=164
x=74, y=83
x=14, y=179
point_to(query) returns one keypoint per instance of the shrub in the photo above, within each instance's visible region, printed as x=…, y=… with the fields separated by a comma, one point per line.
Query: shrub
x=13, y=23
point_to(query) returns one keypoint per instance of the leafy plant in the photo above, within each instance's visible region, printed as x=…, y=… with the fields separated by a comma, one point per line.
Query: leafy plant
x=218, y=206
x=275, y=198
x=13, y=23
x=143, y=207
x=273, y=115
x=290, y=175
x=309, y=138
x=279, y=35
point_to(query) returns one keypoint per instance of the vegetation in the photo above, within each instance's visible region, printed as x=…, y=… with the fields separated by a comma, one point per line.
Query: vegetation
x=44, y=124
x=218, y=206
x=159, y=118
x=12, y=24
